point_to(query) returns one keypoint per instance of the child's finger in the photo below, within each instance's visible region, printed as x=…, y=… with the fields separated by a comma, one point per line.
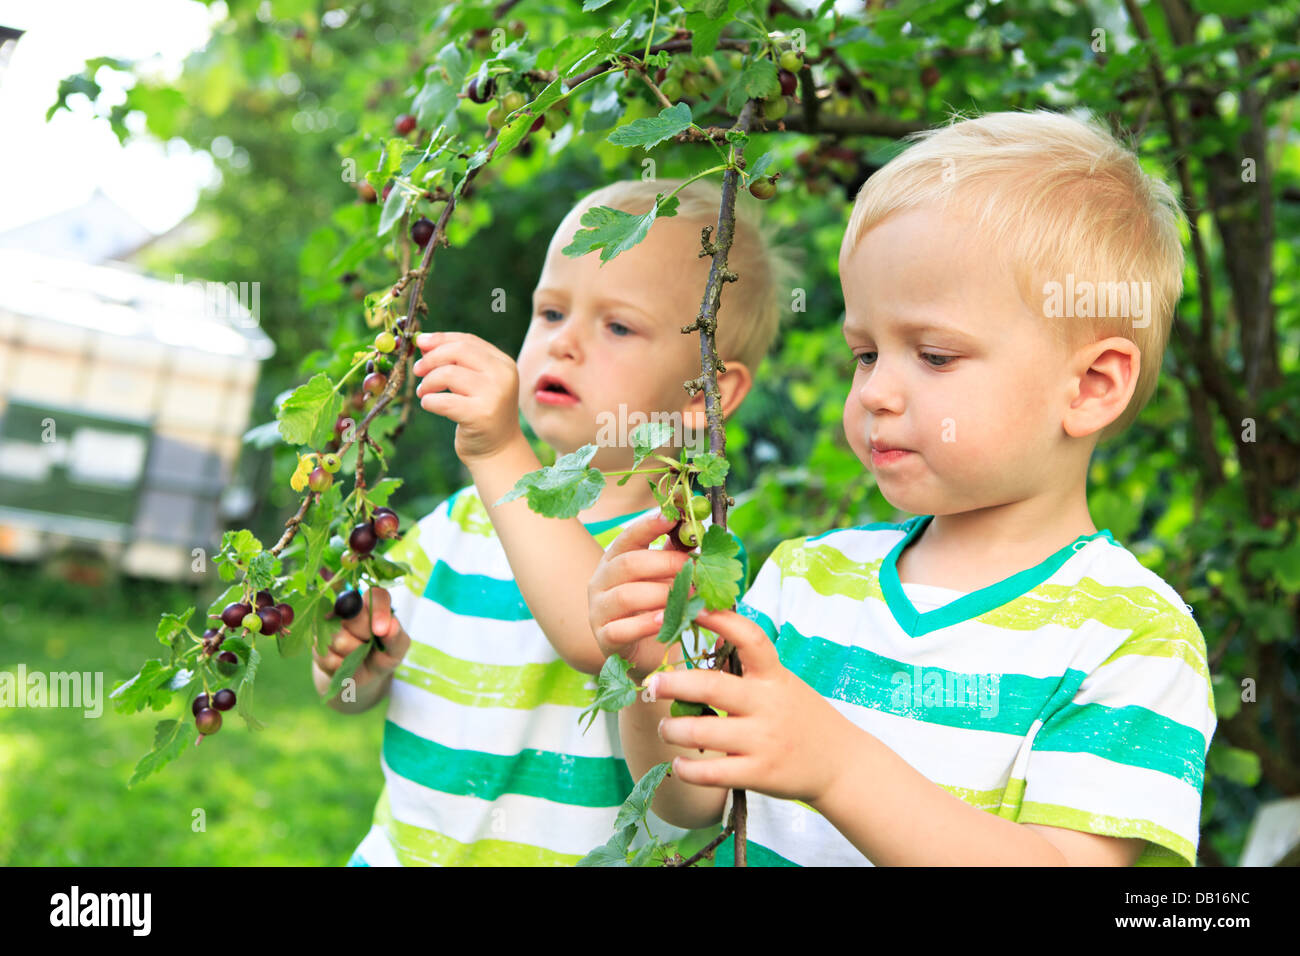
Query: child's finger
x=627, y=631
x=757, y=652
x=380, y=605
x=638, y=534
x=454, y=378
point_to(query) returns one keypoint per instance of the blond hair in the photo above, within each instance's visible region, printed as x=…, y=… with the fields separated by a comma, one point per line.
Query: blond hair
x=749, y=314
x=1055, y=196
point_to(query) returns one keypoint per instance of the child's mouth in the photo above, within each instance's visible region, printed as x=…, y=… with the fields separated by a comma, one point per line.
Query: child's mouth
x=552, y=392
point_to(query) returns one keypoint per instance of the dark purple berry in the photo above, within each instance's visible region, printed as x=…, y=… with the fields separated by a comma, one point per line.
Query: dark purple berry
x=348, y=605
x=224, y=699
x=421, y=232
x=363, y=539
x=386, y=523
x=270, y=620
x=199, y=703
x=208, y=721
x=264, y=598
x=286, y=614
x=233, y=614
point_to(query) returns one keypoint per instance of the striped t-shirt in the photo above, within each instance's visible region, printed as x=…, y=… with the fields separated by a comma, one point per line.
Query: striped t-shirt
x=1073, y=694
x=484, y=759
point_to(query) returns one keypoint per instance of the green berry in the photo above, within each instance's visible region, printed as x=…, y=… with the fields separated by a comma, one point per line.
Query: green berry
x=349, y=560
x=671, y=88
x=686, y=537
x=331, y=463
x=554, y=119
x=775, y=108
x=701, y=507
x=253, y=623
x=762, y=189
x=496, y=117
x=513, y=101
x=791, y=61
x=320, y=480
x=385, y=342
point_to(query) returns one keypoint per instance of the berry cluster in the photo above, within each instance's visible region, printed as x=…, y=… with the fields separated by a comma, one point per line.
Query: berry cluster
x=263, y=616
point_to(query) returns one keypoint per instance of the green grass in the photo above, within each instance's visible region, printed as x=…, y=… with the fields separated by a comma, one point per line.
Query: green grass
x=300, y=792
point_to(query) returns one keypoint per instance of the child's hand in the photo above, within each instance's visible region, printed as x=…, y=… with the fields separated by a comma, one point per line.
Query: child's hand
x=781, y=737
x=482, y=395
x=376, y=618
x=630, y=585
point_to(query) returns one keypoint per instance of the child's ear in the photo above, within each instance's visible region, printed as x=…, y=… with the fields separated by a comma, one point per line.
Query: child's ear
x=1107, y=373
x=733, y=385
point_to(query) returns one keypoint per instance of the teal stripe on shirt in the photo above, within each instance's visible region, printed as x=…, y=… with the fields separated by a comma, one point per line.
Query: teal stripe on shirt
x=755, y=854
x=476, y=595
x=562, y=778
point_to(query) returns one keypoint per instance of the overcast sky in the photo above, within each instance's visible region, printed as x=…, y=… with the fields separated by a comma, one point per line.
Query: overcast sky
x=47, y=167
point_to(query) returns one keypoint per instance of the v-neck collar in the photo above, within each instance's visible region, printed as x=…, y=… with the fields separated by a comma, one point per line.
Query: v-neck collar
x=972, y=605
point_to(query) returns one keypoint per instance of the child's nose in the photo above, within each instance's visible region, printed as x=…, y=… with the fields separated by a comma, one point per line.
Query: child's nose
x=564, y=342
x=880, y=391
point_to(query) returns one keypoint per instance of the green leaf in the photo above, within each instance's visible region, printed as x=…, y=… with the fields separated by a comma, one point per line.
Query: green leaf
x=759, y=166
x=613, y=231
x=613, y=852
x=148, y=688
x=263, y=436
x=713, y=469
x=614, y=690
x=757, y=82
x=648, y=437
x=170, y=625
x=346, y=670
x=395, y=206
x=263, y=568
x=637, y=804
x=316, y=531
x=378, y=494
x=169, y=740
x=1237, y=764
x=384, y=570
x=561, y=490
x=675, y=609
x=308, y=414
x=646, y=855
x=666, y=503
x=689, y=708
x=717, y=572
x=653, y=130
x=245, y=694
x=435, y=104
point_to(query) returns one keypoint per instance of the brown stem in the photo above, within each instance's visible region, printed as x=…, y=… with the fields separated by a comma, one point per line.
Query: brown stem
x=705, y=851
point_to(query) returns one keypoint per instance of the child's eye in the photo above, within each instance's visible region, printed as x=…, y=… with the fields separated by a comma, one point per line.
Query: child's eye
x=862, y=355
x=546, y=312
x=619, y=329
x=947, y=359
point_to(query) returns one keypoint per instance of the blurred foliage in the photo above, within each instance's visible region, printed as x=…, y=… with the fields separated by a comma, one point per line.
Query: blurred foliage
x=1198, y=497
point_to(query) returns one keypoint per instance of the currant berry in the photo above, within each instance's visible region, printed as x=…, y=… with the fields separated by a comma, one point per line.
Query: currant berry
x=385, y=342
x=263, y=598
x=404, y=124
x=400, y=325
x=363, y=538
x=481, y=93
x=270, y=619
x=384, y=364
x=775, y=108
x=331, y=463
x=227, y=663
x=762, y=189
x=224, y=699
x=537, y=124
x=701, y=507
x=421, y=232
x=375, y=383
x=286, y=614
x=210, y=634
x=671, y=88
x=554, y=119
x=686, y=536
x=349, y=560
x=791, y=61
x=200, y=702
x=513, y=101
x=789, y=82
x=348, y=604
x=233, y=614
x=208, y=721
x=385, y=523
x=252, y=622
x=496, y=117
x=319, y=480
x=366, y=193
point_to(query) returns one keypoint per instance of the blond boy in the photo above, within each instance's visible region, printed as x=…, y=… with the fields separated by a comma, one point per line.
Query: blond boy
x=994, y=681
x=487, y=672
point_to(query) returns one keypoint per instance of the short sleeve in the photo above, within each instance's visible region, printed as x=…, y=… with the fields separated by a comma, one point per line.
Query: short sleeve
x=1124, y=755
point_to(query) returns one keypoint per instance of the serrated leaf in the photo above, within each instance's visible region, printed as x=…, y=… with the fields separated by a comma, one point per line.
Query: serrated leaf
x=759, y=166
x=561, y=490
x=653, y=130
x=758, y=81
x=637, y=804
x=613, y=231
x=646, y=855
x=169, y=740
x=245, y=694
x=675, y=608
x=148, y=688
x=180, y=680
x=395, y=206
x=171, y=625
x=346, y=670
x=382, y=490
x=713, y=469
x=307, y=416
x=613, y=852
x=647, y=437
x=717, y=572
x=263, y=568
x=666, y=503
x=614, y=690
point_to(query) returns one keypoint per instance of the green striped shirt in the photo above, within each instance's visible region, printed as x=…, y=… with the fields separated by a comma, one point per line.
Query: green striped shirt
x=1073, y=694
